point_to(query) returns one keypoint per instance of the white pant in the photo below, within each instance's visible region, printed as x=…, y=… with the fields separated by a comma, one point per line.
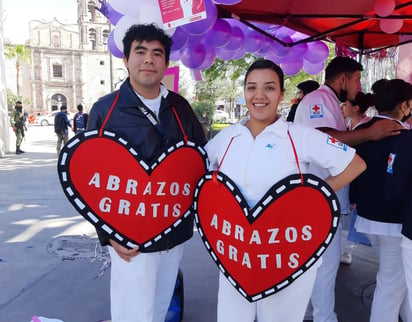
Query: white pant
x=286, y=306
x=140, y=291
x=390, y=292
x=323, y=295
x=406, y=246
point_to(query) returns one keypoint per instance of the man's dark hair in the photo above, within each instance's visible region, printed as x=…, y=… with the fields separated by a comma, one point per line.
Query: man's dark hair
x=80, y=107
x=148, y=32
x=339, y=65
x=63, y=108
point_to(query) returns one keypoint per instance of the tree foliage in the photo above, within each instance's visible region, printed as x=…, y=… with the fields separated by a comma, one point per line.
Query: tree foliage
x=20, y=53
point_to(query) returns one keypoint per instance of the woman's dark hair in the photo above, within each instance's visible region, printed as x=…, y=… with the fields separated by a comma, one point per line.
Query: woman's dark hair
x=364, y=101
x=389, y=93
x=267, y=64
x=148, y=32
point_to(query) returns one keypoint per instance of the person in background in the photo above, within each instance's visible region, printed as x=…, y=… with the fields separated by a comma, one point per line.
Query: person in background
x=354, y=113
x=18, y=123
x=61, y=128
x=268, y=164
x=321, y=109
x=381, y=211
x=80, y=120
x=304, y=88
x=152, y=119
x=205, y=121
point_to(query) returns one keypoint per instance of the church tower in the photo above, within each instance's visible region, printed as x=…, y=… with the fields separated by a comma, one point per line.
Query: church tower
x=94, y=27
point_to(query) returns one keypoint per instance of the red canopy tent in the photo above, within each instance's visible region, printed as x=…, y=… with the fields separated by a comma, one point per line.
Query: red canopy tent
x=352, y=23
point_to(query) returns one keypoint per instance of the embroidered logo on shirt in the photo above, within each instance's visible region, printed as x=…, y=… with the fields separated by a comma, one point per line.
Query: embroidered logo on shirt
x=269, y=146
x=336, y=143
x=316, y=111
x=391, y=161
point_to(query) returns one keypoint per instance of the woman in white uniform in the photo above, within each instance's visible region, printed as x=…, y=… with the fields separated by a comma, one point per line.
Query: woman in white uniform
x=257, y=153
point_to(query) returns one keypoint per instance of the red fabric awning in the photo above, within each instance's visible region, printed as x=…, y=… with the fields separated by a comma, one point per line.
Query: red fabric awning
x=353, y=23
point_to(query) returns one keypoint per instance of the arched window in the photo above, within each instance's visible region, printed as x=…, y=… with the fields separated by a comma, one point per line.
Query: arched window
x=57, y=101
x=56, y=40
x=93, y=37
x=105, y=35
x=92, y=10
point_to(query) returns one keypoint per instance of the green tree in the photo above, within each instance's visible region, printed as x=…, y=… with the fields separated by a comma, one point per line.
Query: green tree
x=20, y=53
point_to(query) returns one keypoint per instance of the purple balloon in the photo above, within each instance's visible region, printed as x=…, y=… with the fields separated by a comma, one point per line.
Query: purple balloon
x=317, y=52
x=292, y=68
x=219, y=35
x=224, y=54
x=202, y=26
x=236, y=41
x=227, y=2
x=112, y=14
x=179, y=39
x=174, y=55
x=254, y=40
x=193, y=55
x=112, y=46
x=209, y=59
x=313, y=69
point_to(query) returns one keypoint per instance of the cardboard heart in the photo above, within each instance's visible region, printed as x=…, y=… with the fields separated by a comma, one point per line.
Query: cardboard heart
x=134, y=202
x=264, y=249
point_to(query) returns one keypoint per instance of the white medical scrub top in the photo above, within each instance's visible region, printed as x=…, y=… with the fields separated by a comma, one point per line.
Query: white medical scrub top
x=255, y=165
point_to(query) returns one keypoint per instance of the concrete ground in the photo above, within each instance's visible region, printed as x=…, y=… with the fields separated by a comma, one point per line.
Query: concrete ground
x=50, y=263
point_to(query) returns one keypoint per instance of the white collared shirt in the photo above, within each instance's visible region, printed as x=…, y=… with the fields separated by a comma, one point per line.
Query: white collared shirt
x=255, y=165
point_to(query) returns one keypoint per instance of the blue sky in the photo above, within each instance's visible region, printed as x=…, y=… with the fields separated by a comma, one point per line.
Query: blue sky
x=18, y=13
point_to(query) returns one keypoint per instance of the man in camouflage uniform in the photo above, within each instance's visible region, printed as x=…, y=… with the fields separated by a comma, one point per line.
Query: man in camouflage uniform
x=17, y=121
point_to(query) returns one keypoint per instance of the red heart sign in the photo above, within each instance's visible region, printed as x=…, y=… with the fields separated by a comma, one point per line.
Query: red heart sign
x=118, y=192
x=264, y=249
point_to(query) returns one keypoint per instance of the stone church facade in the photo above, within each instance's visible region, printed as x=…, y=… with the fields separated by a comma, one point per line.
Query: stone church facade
x=70, y=63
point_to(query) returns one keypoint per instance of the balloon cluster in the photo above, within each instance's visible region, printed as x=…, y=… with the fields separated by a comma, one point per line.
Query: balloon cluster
x=385, y=8
x=199, y=43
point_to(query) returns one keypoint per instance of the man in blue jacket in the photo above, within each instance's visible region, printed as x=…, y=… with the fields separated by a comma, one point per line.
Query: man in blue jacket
x=152, y=119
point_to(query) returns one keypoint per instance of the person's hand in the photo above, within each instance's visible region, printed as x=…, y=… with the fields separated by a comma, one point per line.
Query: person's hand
x=14, y=129
x=384, y=128
x=123, y=252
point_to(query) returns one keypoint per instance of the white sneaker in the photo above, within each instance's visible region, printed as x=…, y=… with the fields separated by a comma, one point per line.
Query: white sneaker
x=346, y=258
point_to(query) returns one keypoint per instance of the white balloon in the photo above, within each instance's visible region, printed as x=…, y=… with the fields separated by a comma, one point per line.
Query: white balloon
x=150, y=13
x=126, y=7
x=120, y=30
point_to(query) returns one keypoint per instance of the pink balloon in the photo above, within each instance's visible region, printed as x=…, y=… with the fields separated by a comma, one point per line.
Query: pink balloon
x=391, y=26
x=112, y=46
x=313, y=69
x=384, y=7
x=192, y=56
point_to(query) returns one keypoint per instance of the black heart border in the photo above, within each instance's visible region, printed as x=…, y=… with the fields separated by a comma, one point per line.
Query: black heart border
x=276, y=191
x=81, y=205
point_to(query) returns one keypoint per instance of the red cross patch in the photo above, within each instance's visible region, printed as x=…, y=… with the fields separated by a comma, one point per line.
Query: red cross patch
x=336, y=143
x=316, y=111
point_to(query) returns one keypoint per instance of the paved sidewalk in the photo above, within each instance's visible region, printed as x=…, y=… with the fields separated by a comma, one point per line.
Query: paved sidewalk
x=36, y=280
